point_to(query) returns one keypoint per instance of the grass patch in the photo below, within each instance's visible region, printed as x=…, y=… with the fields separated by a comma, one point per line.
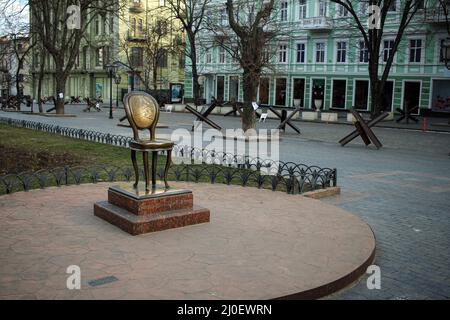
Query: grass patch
x=27, y=149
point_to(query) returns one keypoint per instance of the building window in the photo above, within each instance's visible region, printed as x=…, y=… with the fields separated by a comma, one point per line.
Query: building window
x=162, y=58
x=282, y=53
x=111, y=24
x=441, y=51
x=393, y=6
x=320, y=52
x=137, y=57
x=364, y=7
x=322, y=8
x=140, y=25
x=415, y=50
x=99, y=57
x=302, y=9
x=208, y=57
x=106, y=56
x=421, y=4
x=182, y=60
x=388, y=48
x=223, y=17
x=221, y=55
x=162, y=3
x=284, y=10
x=97, y=27
x=363, y=52
x=301, y=52
x=341, y=52
x=341, y=11
x=133, y=25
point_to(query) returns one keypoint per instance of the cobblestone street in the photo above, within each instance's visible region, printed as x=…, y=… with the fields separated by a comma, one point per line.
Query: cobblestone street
x=402, y=191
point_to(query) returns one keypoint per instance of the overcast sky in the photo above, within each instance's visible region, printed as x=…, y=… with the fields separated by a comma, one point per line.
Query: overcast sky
x=14, y=16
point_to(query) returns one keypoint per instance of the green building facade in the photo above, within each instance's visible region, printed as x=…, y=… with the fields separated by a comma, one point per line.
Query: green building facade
x=321, y=51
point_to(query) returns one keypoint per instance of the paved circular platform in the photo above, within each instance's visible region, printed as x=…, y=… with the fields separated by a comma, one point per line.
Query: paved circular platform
x=259, y=245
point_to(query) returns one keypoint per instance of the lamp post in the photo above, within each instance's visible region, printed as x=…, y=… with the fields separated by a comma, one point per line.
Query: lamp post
x=117, y=79
x=111, y=69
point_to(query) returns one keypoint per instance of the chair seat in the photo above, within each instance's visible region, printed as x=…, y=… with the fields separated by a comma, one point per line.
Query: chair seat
x=151, y=145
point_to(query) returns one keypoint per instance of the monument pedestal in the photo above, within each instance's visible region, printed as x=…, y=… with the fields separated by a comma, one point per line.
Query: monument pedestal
x=137, y=211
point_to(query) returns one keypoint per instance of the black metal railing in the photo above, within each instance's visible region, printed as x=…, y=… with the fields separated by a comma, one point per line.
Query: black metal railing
x=221, y=167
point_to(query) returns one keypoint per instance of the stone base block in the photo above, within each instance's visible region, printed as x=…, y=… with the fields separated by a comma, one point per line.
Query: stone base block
x=149, y=202
x=178, y=107
x=136, y=225
x=226, y=109
x=310, y=115
x=329, y=116
x=138, y=211
x=351, y=118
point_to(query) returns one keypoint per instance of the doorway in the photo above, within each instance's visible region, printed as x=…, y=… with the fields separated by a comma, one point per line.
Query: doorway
x=339, y=94
x=280, y=92
x=233, y=93
x=387, y=97
x=299, y=92
x=411, y=96
x=317, y=93
x=220, y=88
x=264, y=91
x=361, y=95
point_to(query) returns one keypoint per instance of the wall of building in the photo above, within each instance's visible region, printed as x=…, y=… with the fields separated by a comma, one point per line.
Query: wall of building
x=330, y=30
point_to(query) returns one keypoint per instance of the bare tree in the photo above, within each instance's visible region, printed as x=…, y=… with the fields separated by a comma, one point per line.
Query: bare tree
x=191, y=15
x=445, y=5
x=250, y=39
x=156, y=43
x=16, y=33
x=60, y=39
x=372, y=28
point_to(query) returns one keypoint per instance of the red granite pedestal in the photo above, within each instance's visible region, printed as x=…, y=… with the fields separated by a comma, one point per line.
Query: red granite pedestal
x=136, y=211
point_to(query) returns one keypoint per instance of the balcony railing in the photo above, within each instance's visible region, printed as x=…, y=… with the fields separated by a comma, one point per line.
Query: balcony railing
x=136, y=7
x=317, y=24
x=136, y=35
x=436, y=15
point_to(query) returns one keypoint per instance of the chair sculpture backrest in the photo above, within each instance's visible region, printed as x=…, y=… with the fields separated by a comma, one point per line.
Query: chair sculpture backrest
x=142, y=112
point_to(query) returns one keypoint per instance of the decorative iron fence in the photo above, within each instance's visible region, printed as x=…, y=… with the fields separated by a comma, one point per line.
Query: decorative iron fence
x=203, y=166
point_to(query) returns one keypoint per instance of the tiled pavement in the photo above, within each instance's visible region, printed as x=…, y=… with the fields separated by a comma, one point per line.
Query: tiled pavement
x=257, y=246
x=402, y=191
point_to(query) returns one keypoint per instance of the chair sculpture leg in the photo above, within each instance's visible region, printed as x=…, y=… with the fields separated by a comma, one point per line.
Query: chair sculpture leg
x=135, y=166
x=154, y=163
x=146, y=173
x=166, y=169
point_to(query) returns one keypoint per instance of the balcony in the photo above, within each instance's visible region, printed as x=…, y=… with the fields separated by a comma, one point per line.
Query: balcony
x=136, y=7
x=136, y=36
x=318, y=24
x=435, y=15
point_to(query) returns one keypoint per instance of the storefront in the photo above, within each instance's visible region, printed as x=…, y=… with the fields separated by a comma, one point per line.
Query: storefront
x=440, y=100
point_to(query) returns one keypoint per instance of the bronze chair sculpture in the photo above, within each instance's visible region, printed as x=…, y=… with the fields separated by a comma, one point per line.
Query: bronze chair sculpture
x=142, y=112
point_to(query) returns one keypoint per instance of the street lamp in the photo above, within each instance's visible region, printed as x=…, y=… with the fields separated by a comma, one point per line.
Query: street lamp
x=111, y=70
x=446, y=52
x=117, y=79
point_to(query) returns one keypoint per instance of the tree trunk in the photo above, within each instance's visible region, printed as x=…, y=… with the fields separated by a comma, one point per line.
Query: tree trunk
x=60, y=88
x=39, y=89
x=155, y=76
x=250, y=83
x=195, y=84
